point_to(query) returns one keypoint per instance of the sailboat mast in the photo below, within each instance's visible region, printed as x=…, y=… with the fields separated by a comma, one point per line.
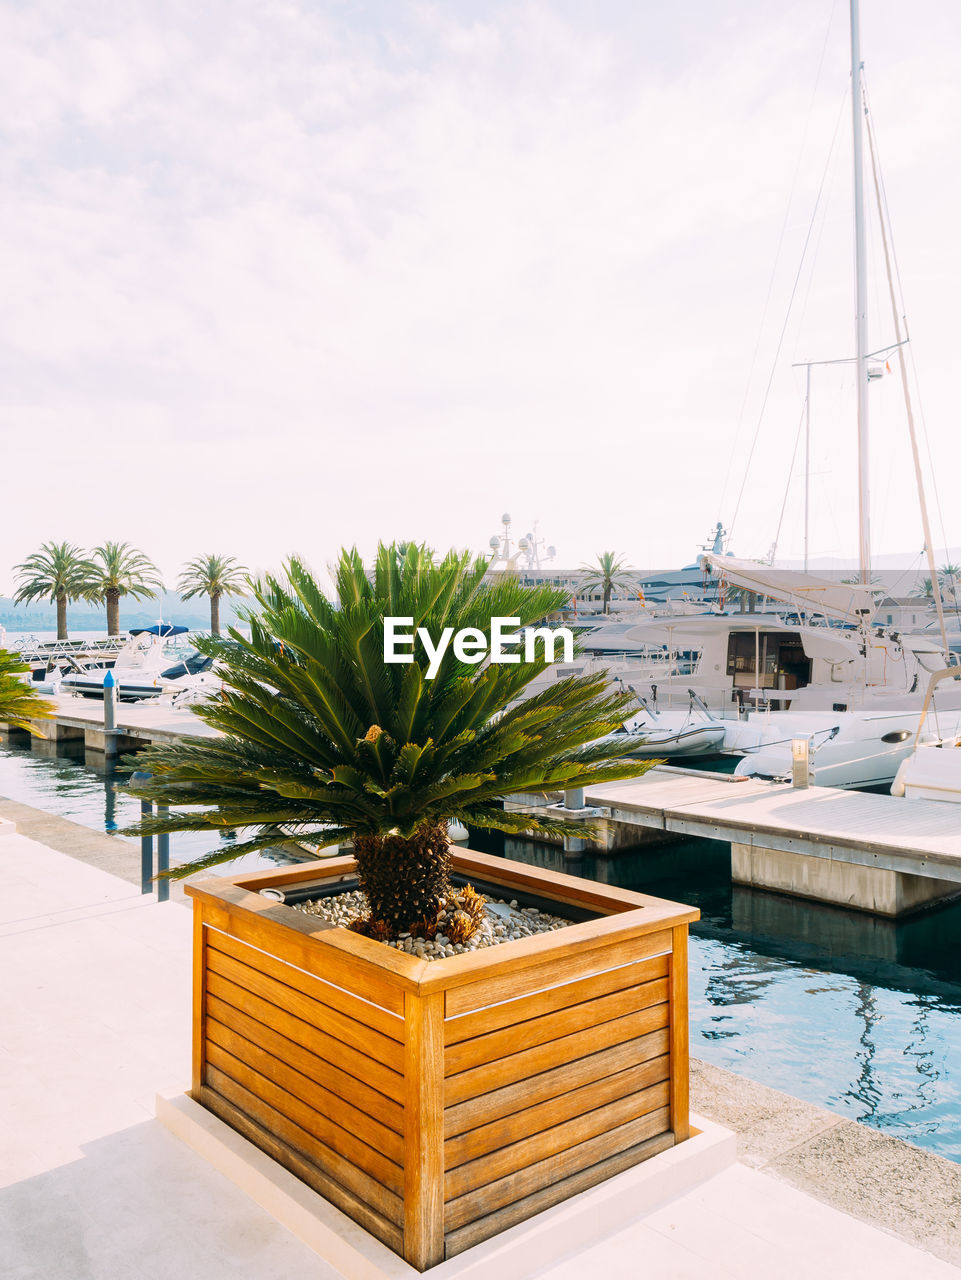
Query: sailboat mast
x=864, y=500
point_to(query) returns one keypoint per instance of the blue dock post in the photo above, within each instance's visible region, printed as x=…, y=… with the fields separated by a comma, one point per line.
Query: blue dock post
x=109, y=714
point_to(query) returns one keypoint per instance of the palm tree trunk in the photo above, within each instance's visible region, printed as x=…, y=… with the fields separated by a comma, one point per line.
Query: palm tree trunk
x=62, y=617
x=215, y=613
x=113, y=613
x=607, y=599
x=405, y=878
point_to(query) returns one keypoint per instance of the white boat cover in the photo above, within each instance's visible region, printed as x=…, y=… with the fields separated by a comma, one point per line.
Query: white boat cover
x=842, y=601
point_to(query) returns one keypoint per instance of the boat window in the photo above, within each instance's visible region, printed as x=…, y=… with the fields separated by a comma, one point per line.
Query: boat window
x=192, y=665
x=783, y=664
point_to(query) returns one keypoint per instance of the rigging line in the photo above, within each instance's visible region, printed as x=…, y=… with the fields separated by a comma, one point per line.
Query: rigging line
x=907, y=332
x=777, y=259
x=915, y=454
x=790, y=477
x=810, y=280
x=780, y=341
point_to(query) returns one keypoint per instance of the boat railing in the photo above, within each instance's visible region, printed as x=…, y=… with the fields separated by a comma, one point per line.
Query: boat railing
x=34, y=650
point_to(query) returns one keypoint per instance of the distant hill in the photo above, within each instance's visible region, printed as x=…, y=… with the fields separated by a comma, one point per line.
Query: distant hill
x=194, y=614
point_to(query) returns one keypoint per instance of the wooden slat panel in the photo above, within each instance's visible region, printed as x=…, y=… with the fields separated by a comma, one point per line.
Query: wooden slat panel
x=552, y=1026
x=279, y=1070
x=344, y=1002
x=511, y=1012
x=424, y=1132
x=528, y=1062
x=348, y=1030
x=494, y=1223
x=355, y=1207
x=525, y=978
x=495, y=1195
x=377, y=1105
x=556, y=1111
x=556, y=1141
x=222, y=996
x=680, y=1037
x=535, y=1089
x=280, y=1096
x=199, y=1011
x=297, y=942
x=386, y=1200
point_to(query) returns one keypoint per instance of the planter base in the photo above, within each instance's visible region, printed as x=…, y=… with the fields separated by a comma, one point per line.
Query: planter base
x=439, y=1103
x=579, y=1222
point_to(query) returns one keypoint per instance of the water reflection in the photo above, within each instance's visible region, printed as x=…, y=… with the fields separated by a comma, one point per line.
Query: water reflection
x=856, y=1013
x=86, y=788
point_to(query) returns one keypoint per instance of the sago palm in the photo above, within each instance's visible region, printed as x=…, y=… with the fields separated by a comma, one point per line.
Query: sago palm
x=118, y=569
x=58, y=572
x=213, y=576
x=19, y=702
x=606, y=575
x=324, y=740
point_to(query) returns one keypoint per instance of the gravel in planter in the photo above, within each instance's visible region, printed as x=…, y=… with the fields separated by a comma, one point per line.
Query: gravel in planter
x=505, y=922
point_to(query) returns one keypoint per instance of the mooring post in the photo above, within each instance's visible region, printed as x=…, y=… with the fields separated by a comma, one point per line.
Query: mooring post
x=163, y=858
x=109, y=714
x=574, y=799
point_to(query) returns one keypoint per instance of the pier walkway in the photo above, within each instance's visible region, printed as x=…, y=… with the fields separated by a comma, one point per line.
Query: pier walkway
x=143, y=721
x=916, y=837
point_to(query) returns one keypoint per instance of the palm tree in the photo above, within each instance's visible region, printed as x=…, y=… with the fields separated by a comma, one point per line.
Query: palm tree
x=56, y=572
x=213, y=576
x=949, y=575
x=118, y=569
x=609, y=573
x=323, y=740
x=19, y=703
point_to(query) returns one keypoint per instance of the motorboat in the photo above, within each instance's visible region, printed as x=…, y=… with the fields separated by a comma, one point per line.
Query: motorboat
x=759, y=682
x=931, y=772
x=144, y=668
x=933, y=769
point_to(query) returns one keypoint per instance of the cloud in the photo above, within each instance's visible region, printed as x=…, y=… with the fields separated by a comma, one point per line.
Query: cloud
x=310, y=273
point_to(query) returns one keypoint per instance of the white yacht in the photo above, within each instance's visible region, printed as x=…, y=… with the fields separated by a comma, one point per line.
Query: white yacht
x=933, y=769
x=144, y=668
x=853, y=691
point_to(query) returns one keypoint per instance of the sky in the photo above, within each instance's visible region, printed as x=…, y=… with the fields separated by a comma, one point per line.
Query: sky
x=285, y=276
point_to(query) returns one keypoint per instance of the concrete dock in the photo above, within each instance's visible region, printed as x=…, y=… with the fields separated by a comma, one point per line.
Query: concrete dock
x=80, y=720
x=876, y=853
x=94, y=1021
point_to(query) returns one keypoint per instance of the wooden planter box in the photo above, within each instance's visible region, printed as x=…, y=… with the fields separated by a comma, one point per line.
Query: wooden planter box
x=440, y=1102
